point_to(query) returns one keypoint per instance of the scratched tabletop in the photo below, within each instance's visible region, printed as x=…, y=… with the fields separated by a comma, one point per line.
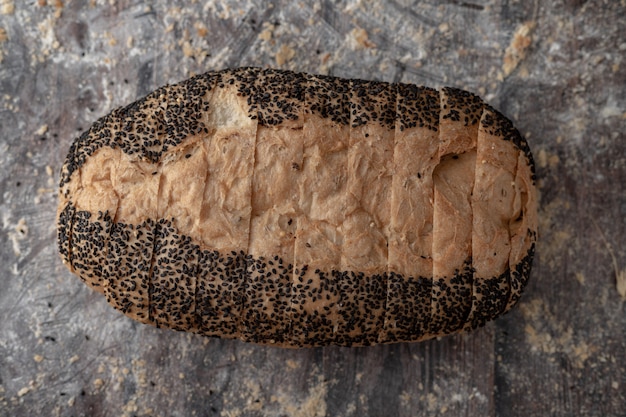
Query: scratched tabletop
x=557, y=69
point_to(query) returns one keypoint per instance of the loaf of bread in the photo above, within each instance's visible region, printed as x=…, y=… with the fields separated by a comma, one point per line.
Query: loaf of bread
x=301, y=210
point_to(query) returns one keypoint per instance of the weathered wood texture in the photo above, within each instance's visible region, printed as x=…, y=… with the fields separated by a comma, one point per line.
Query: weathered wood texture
x=556, y=68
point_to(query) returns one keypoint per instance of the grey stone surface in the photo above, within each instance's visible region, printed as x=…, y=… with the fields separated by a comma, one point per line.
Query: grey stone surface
x=556, y=68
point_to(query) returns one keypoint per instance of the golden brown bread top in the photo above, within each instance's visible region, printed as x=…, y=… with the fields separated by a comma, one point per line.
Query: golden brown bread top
x=300, y=210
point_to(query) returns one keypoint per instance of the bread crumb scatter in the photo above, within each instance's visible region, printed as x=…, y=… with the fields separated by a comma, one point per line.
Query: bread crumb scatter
x=285, y=54
x=360, y=39
x=7, y=7
x=42, y=130
x=268, y=31
x=516, y=51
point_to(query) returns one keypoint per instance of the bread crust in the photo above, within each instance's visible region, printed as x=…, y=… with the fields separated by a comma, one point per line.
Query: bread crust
x=299, y=210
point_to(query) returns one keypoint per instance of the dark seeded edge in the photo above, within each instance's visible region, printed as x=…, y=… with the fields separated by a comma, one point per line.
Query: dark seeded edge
x=261, y=86
x=205, y=295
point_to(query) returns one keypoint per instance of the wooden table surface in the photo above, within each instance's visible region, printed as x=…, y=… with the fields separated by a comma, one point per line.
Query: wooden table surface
x=556, y=68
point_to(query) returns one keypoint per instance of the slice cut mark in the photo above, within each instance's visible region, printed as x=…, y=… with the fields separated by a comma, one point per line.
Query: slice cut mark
x=493, y=208
x=127, y=271
x=183, y=171
x=173, y=280
x=224, y=221
x=322, y=201
x=219, y=293
x=95, y=203
x=278, y=99
x=453, y=180
x=408, y=306
x=228, y=150
x=452, y=251
x=64, y=233
x=89, y=237
x=523, y=228
x=363, y=285
x=174, y=274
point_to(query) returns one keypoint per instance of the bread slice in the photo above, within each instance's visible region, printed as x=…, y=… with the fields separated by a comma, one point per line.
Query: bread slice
x=410, y=264
x=222, y=229
x=275, y=195
x=453, y=182
x=323, y=200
